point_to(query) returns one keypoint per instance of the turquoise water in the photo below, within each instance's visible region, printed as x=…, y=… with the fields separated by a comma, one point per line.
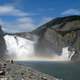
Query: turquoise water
x=64, y=70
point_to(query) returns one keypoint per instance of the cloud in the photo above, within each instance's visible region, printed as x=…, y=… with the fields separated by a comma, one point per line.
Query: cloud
x=23, y=20
x=45, y=20
x=12, y=11
x=25, y=23
x=19, y=25
x=22, y=24
x=1, y=22
x=71, y=12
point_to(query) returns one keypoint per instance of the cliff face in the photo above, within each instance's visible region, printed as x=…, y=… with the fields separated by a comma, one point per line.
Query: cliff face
x=59, y=33
x=2, y=43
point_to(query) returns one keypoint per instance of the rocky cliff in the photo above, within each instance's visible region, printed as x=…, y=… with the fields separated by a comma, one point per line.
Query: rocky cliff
x=2, y=43
x=59, y=33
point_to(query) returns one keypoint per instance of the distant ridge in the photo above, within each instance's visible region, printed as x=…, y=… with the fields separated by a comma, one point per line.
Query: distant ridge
x=58, y=20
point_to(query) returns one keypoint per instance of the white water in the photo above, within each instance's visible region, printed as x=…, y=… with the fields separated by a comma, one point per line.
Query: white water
x=18, y=47
x=66, y=54
x=21, y=49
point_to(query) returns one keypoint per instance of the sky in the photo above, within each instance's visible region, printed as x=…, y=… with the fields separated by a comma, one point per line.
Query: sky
x=27, y=15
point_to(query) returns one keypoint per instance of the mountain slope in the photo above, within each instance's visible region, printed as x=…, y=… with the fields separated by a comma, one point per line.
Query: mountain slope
x=58, y=33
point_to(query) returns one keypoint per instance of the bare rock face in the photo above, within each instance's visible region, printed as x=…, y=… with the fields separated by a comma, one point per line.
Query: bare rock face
x=2, y=43
x=59, y=33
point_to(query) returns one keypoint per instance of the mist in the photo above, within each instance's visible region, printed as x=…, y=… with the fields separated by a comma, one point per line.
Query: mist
x=19, y=48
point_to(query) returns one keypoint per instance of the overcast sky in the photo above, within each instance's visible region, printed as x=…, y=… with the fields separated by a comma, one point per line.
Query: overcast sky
x=26, y=15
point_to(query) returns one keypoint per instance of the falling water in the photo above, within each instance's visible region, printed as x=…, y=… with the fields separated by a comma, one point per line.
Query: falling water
x=66, y=54
x=21, y=48
x=18, y=47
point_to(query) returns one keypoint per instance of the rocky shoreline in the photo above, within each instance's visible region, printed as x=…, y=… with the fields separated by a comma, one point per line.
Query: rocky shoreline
x=9, y=70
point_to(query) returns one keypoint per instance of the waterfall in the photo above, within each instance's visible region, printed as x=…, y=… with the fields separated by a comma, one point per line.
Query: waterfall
x=23, y=49
x=18, y=47
x=66, y=54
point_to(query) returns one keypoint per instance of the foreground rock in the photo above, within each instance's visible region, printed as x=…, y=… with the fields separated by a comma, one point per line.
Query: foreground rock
x=12, y=71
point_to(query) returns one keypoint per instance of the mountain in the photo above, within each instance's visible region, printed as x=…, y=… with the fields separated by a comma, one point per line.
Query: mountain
x=47, y=40
x=58, y=33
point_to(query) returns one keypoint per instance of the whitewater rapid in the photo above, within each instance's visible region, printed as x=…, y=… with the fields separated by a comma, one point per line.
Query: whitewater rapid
x=18, y=47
